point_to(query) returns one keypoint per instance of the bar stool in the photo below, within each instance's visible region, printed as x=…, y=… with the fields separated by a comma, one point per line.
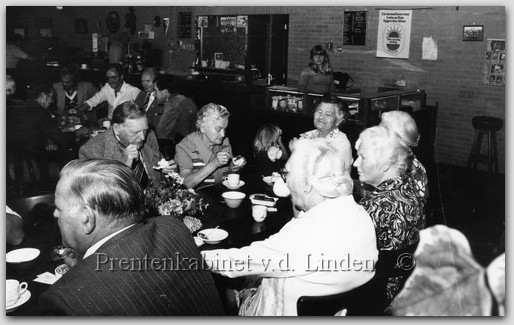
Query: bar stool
x=485, y=125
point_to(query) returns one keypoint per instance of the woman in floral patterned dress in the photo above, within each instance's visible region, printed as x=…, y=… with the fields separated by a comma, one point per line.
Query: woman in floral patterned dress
x=394, y=203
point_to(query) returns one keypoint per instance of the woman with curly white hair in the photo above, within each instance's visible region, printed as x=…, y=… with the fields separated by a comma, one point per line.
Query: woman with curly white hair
x=393, y=203
x=205, y=156
x=330, y=227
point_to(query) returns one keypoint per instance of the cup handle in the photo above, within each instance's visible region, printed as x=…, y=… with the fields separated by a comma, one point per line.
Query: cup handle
x=23, y=287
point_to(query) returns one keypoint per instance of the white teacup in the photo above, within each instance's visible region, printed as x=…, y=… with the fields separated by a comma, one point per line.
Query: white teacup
x=232, y=179
x=13, y=290
x=259, y=212
x=106, y=124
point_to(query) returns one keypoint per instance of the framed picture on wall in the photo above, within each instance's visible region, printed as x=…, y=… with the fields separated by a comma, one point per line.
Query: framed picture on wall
x=473, y=33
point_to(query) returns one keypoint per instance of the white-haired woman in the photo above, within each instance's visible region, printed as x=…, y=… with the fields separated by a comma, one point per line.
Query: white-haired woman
x=330, y=227
x=393, y=203
x=205, y=156
x=405, y=127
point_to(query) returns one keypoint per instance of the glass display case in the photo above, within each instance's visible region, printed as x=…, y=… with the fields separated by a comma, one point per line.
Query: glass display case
x=365, y=105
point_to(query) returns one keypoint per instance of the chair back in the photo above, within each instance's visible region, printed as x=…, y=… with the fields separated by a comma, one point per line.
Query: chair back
x=32, y=208
x=357, y=302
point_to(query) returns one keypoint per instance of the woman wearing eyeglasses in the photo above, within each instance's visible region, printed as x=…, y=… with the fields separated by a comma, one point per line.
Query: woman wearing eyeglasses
x=317, y=76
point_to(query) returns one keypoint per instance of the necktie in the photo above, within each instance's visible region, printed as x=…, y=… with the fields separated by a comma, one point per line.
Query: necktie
x=147, y=99
x=140, y=172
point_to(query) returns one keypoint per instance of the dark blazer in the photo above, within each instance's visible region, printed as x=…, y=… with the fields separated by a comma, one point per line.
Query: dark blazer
x=85, y=90
x=178, y=118
x=106, y=146
x=95, y=287
x=29, y=125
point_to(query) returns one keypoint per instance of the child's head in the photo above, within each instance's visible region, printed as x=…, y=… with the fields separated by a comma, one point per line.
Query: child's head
x=267, y=136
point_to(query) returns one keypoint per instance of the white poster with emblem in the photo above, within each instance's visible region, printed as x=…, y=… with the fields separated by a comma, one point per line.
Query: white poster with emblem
x=394, y=27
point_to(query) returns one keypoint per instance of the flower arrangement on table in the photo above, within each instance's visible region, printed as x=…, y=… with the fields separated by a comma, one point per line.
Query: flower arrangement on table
x=70, y=118
x=171, y=197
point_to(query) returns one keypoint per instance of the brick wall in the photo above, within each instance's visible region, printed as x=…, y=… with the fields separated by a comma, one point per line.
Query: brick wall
x=454, y=80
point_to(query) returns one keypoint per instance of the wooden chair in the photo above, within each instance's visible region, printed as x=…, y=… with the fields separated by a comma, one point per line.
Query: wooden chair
x=361, y=301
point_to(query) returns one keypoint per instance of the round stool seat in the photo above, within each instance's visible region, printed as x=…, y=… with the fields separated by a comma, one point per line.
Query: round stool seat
x=487, y=123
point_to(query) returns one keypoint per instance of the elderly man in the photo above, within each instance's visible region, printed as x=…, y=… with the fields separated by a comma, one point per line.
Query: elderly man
x=146, y=98
x=130, y=142
x=115, y=91
x=330, y=247
x=130, y=266
x=71, y=93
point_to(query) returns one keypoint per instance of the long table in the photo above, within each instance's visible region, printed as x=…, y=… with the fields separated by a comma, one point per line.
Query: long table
x=43, y=234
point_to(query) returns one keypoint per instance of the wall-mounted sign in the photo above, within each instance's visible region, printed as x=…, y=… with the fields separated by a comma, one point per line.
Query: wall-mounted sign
x=354, y=28
x=394, y=28
x=184, y=25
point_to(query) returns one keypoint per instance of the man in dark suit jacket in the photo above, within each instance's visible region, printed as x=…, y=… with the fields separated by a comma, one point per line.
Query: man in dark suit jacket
x=130, y=142
x=146, y=98
x=30, y=125
x=71, y=93
x=129, y=265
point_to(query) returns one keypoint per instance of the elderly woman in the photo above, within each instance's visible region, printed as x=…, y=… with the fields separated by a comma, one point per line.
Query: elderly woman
x=405, y=127
x=330, y=227
x=329, y=114
x=393, y=203
x=205, y=156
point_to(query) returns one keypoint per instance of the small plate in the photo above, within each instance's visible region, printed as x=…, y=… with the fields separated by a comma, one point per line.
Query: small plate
x=268, y=180
x=23, y=299
x=268, y=201
x=230, y=187
x=61, y=269
x=215, y=236
x=22, y=255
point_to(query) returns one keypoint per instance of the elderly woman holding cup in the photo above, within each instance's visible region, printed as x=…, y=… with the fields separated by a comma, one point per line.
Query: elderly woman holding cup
x=393, y=203
x=205, y=156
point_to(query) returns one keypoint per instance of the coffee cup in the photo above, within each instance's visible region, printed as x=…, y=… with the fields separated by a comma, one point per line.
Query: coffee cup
x=259, y=212
x=13, y=290
x=106, y=124
x=232, y=179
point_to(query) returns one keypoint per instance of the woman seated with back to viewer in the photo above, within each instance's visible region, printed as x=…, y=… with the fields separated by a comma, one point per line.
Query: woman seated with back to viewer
x=205, y=156
x=393, y=202
x=329, y=114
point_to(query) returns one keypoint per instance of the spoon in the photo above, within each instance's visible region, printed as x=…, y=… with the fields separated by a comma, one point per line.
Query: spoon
x=204, y=236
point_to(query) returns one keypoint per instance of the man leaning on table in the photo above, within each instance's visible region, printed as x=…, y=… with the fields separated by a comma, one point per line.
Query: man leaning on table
x=330, y=227
x=127, y=266
x=131, y=142
x=114, y=92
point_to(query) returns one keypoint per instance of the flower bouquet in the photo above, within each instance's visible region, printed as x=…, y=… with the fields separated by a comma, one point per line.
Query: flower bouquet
x=70, y=118
x=171, y=197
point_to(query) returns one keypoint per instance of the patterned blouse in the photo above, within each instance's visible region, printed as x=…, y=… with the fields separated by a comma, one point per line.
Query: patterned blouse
x=396, y=208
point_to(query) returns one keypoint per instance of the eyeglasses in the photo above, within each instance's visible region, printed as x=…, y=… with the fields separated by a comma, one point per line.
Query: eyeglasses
x=283, y=173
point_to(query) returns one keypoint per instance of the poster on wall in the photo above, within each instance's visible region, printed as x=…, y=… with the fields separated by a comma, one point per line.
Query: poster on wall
x=494, y=65
x=354, y=28
x=394, y=28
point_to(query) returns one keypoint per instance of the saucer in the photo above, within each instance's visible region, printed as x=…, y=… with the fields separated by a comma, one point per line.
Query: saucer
x=230, y=187
x=23, y=299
